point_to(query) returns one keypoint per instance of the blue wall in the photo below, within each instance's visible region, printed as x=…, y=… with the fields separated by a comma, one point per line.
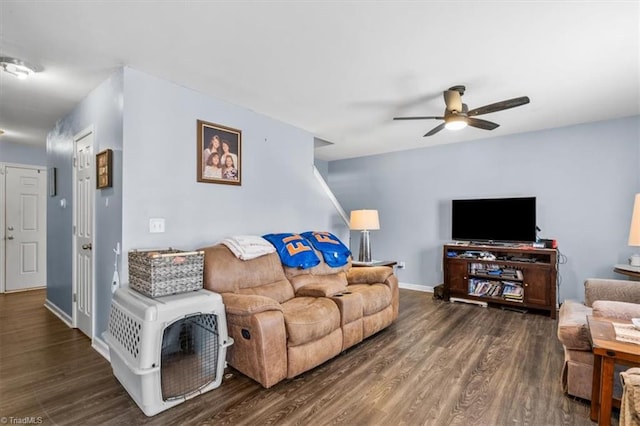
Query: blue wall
x=151, y=125
x=279, y=192
x=102, y=111
x=22, y=154
x=584, y=178
x=323, y=168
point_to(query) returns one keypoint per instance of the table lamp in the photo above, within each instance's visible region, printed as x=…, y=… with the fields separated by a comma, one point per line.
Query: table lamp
x=634, y=232
x=365, y=221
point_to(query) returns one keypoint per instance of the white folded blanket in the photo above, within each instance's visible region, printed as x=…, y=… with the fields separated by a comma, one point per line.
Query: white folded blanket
x=247, y=247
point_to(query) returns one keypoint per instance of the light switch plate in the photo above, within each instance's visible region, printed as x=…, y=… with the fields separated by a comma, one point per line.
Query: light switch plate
x=156, y=225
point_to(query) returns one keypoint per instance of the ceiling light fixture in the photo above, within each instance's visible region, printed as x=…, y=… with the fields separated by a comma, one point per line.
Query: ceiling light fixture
x=455, y=122
x=18, y=68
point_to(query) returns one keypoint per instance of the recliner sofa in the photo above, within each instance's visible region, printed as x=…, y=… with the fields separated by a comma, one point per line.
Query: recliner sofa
x=285, y=321
x=608, y=298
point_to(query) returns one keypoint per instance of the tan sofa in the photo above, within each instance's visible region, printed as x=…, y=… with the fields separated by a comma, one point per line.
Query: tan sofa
x=285, y=321
x=602, y=297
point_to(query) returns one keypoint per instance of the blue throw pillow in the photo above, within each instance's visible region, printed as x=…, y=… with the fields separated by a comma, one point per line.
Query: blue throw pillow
x=334, y=252
x=294, y=250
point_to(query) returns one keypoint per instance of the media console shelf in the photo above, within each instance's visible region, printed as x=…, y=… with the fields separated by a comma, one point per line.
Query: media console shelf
x=517, y=277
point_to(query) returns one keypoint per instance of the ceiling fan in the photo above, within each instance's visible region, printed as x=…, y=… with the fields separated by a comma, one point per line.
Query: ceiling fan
x=457, y=115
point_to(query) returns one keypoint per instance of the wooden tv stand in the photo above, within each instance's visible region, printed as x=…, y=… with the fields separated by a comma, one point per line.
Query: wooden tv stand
x=520, y=277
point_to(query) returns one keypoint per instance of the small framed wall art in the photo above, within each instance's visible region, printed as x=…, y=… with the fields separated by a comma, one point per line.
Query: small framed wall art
x=218, y=154
x=53, y=184
x=104, y=168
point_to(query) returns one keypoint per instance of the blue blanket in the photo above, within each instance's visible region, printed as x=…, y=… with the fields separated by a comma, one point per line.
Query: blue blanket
x=294, y=250
x=334, y=252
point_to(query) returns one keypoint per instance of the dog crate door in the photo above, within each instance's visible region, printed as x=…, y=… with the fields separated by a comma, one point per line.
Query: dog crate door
x=189, y=357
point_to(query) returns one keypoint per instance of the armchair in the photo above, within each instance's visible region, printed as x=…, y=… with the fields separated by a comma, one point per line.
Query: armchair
x=602, y=297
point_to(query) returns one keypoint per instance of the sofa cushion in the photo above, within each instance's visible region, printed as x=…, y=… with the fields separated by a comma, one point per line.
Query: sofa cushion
x=617, y=310
x=279, y=291
x=375, y=297
x=263, y=276
x=309, y=318
x=573, y=330
x=321, y=273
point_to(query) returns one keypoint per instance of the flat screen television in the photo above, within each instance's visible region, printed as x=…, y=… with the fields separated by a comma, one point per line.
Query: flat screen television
x=494, y=219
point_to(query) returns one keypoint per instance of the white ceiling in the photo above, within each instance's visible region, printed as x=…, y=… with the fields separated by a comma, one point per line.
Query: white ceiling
x=338, y=69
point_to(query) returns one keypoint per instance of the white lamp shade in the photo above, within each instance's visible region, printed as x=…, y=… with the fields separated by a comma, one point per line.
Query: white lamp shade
x=362, y=220
x=634, y=230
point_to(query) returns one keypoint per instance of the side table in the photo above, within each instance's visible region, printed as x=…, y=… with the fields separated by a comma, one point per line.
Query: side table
x=628, y=270
x=607, y=351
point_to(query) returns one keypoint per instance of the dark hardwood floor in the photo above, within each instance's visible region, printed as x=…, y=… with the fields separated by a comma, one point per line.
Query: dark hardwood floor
x=441, y=363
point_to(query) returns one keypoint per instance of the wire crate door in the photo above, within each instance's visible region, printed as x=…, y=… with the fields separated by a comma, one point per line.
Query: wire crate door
x=189, y=358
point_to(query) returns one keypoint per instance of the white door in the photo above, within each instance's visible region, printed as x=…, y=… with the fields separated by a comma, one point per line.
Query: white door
x=83, y=238
x=26, y=233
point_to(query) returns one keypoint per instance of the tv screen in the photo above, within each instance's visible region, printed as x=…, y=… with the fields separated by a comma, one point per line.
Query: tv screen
x=494, y=219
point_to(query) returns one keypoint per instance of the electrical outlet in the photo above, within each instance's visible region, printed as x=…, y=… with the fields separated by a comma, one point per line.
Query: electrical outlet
x=402, y=264
x=156, y=225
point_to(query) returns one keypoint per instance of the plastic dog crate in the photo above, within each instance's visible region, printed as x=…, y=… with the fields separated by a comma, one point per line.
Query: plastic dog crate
x=167, y=350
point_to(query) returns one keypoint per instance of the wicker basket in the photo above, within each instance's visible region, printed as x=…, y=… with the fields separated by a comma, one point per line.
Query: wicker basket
x=157, y=273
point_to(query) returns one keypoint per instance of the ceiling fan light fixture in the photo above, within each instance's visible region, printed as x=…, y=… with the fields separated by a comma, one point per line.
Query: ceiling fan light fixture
x=18, y=68
x=455, y=122
x=458, y=116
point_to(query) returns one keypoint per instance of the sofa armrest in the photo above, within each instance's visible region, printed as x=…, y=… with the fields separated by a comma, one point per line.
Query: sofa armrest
x=377, y=275
x=610, y=289
x=573, y=331
x=248, y=304
x=369, y=275
x=617, y=310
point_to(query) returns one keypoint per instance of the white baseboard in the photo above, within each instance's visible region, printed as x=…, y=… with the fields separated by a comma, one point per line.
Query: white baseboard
x=101, y=347
x=59, y=313
x=416, y=287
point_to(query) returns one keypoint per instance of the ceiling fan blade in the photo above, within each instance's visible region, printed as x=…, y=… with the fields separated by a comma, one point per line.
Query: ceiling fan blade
x=453, y=100
x=499, y=106
x=435, y=130
x=418, y=118
x=481, y=124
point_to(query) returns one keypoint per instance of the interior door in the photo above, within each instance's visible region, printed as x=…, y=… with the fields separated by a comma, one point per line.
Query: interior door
x=83, y=239
x=26, y=233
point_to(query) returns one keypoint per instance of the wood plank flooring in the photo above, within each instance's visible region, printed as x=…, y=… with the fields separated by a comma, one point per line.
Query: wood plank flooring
x=440, y=364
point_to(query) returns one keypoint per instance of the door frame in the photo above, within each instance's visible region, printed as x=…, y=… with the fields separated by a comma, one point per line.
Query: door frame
x=3, y=225
x=74, y=249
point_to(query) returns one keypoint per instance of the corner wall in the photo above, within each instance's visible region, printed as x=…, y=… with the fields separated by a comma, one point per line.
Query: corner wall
x=279, y=192
x=102, y=110
x=151, y=126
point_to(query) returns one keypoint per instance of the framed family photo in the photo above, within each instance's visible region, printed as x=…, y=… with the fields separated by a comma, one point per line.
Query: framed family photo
x=219, y=154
